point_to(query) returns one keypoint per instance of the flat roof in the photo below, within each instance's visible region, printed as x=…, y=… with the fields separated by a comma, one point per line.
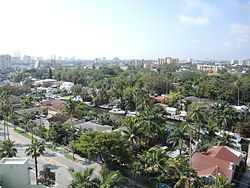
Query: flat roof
x=13, y=160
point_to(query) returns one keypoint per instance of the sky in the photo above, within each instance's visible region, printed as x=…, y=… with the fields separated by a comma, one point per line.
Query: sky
x=149, y=29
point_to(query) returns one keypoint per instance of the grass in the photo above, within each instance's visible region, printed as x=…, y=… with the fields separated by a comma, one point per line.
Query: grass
x=23, y=134
x=69, y=156
x=49, y=146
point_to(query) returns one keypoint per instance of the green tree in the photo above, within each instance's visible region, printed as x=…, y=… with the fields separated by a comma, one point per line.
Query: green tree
x=111, y=178
x=7, y=149
x=225, y=116
x=76, y=89
x=27, y=102
x=197, y=115
x=179, y=136
x=70, y=109
x=103, y=145
x=35, y=150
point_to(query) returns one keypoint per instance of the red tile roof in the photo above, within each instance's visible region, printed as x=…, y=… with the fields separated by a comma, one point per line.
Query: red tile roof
x=215, y=161
x=162, y=105
x=158, y=98
x=213, y=74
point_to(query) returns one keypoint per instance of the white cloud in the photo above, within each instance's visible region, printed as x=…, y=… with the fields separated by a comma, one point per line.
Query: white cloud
x=192, y=20
x=196, y=13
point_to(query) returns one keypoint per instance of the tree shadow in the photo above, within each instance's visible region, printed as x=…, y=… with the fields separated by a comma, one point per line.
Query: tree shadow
x=47, y=154
x=50, y=166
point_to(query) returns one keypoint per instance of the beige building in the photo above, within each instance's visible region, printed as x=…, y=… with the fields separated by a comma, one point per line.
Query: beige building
x=167, y=60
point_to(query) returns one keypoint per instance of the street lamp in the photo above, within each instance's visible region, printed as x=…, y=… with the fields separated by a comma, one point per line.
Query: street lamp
x=235, y=84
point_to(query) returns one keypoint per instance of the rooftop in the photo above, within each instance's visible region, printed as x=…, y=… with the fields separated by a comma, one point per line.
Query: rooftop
x=13, y=161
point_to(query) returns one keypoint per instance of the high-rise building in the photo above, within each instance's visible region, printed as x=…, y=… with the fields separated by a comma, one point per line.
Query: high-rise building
x=27, y=59
x=5, y=62
x=167, y=60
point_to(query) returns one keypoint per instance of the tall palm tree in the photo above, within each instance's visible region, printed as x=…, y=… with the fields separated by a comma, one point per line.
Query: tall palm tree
x=83, y=179
x=35, y=150
x=197, y=115
x=225, y=116
x=153, y=126
x=7, y=149
x=6, y=108
x=154, y=161
x=70, y=108
x=180, y=135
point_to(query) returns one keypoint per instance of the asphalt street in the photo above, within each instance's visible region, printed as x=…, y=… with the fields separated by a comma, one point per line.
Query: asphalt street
x=53, y=160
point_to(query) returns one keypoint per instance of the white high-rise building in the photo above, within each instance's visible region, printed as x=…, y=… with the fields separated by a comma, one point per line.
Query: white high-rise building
x=5, y=62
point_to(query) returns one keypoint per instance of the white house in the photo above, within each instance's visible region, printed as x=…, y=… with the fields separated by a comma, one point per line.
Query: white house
x=66, y=86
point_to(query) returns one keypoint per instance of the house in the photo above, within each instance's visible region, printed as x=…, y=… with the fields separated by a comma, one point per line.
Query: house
x=35, y=110
x=219, y=160
x=54, y=106
x=158, y=99
x=14, y=100
x=91, y=126
x=66, y=86
x=171, y=110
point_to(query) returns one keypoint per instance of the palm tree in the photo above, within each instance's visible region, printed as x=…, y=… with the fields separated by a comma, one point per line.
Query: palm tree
x=6, y=108
x=154, y=161
x=35, y=149
x=225, y=116
x=153, y=126
x=70, y=108
x=83, y=179
x=221, y=181
x=197, y=115
x=180, y=135
x=111, y=178
x=7, y=149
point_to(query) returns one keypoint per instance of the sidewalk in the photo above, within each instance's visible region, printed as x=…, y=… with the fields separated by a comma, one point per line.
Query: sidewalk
x=59, y=150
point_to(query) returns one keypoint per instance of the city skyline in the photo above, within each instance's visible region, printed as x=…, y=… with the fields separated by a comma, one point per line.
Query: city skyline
x=127, y=29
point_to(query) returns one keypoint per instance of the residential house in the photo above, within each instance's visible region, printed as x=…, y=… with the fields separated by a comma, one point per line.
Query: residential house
x=219, y=160
x=35, y=110
x=158, y=99
x=53, y=106
x=66, y=86
x=91, y=126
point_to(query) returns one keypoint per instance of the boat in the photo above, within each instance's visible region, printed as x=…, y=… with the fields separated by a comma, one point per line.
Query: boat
x=105, y=106
x=117, y=111
x=129, y=113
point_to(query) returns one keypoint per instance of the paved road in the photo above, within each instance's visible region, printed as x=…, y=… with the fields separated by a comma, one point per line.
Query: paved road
x=55, y=161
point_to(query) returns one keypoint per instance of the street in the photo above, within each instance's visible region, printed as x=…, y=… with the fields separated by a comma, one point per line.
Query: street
x=53, y=160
